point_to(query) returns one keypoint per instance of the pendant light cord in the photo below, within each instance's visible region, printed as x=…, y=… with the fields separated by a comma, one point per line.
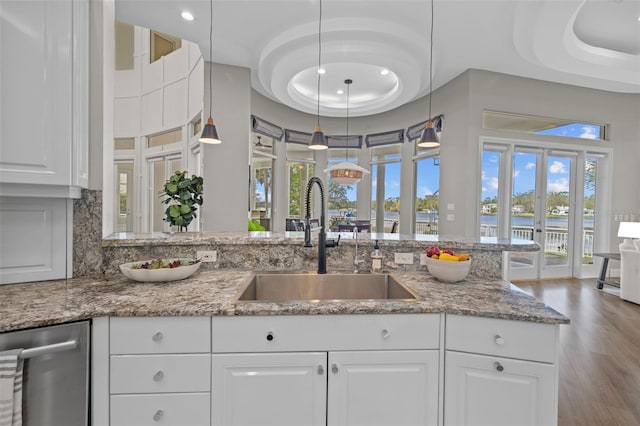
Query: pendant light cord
x=430, y=62
x=346, y=158
x=210, y=56
x=319, y=58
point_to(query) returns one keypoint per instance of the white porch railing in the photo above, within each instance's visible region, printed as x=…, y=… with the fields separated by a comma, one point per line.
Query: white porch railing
x=556, y=239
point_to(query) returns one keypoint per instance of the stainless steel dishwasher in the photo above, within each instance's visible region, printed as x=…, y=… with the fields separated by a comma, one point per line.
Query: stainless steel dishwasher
x=55, y=375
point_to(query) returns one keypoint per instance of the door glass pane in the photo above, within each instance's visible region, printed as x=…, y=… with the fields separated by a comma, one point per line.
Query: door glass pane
x=155, y=206
x=523, y=205
x=490, y=185
x=342, y=198
x=427, y=196
x=588, y=216
x=124, y=197
x=262, y=191
x=385, y=182
x=556, y=241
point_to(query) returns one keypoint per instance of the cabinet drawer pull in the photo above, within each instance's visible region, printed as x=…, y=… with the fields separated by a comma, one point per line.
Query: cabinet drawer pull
x=270, y=336
x=385, y=334
x=334, y=368
x=498, y=366
x=499, y=340
x=157, y=337
x=158, y=376
x=158, y=415
x=320, y=370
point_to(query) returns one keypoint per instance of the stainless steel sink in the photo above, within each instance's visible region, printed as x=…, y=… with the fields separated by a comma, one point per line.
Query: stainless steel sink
x=282, y=287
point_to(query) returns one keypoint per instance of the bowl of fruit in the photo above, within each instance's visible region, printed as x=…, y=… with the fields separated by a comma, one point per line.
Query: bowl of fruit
x=160, y=270
x=447, y=266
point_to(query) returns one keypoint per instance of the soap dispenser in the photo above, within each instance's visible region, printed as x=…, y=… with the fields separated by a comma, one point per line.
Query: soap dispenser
x=376, y=259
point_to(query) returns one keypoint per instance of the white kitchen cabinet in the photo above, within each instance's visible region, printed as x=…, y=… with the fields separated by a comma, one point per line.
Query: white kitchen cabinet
x=44, y=103
x=160, y=371
x=357, y=373
x=500, y=372
x=383, y=388
x=279, y=389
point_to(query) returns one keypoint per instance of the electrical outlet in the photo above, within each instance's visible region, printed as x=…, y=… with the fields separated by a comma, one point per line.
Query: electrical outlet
x=207, y=256
x=403, y=258
x=423, y=259
x=451, y=217
x=451, y=206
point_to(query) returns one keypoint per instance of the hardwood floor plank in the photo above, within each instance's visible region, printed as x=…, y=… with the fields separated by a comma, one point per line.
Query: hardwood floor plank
x=599, y=352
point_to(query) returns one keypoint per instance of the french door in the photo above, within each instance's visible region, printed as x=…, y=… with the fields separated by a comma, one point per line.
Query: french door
x=546, y=195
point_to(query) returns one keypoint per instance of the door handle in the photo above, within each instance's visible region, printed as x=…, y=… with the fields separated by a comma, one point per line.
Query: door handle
x=538, y=230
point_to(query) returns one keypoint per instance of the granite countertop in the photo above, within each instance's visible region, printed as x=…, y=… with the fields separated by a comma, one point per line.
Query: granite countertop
x=43, y=303
x=124, y=239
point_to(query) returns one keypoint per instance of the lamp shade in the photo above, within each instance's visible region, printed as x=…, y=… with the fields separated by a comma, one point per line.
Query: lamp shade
x=629, y=230
x=210, y=133
x=429, y=138
x=318, y=141
x=346, y=173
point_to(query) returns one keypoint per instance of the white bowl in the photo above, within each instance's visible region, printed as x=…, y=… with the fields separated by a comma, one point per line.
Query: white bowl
x=447, y=271
x=160, y=274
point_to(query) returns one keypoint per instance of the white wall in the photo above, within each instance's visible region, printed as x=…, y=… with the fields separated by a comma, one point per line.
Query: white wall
x=226, y=166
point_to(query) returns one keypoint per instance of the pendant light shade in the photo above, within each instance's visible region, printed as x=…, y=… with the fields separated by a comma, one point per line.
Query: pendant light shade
x=346, y=173
x=318, y=141
x=209, y=132
x=429, y=138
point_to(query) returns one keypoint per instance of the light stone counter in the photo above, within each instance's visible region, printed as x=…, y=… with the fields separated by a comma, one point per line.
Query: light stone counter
x=214, y=292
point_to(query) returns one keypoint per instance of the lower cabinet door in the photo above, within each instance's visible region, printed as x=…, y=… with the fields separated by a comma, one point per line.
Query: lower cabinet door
x=167, y=409
x=265, y=389
x=383, y=388
x=492, y=391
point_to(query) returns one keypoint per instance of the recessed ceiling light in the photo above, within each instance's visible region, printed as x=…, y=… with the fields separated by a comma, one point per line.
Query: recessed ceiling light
x=322, y=71
x=340, y=92
x=187, y=16
x=384, y=71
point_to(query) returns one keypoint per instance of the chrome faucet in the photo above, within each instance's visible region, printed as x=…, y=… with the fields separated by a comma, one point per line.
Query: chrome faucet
x=356, y=261
x=322, y=236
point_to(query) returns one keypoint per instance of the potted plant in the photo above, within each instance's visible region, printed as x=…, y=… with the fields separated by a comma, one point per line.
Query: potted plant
x=183, y=196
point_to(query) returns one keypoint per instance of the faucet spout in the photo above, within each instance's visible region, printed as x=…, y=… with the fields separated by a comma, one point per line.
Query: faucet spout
x=322, y=236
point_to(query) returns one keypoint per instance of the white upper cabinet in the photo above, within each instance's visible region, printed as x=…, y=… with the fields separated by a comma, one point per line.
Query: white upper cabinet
x=44, y=103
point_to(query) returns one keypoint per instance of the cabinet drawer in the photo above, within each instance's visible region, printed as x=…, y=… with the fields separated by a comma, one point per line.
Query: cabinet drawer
x=506, y=338
x=165, y=409
x=325, y=332
x=151, y=335
x=160, y=373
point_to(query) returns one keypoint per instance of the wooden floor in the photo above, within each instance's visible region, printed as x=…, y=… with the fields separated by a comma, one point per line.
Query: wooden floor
x=599, y=352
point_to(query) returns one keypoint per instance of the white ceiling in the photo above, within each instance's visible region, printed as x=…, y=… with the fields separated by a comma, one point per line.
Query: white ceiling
x=590, y=43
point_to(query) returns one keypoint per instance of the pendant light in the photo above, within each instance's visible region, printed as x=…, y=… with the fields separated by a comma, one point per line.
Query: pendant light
x=318, y=141
x=346, y=173
x=210, y=133
x=429, y=138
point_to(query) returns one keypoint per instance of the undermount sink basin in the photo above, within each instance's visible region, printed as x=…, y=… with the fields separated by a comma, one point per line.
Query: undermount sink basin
x=282, y=287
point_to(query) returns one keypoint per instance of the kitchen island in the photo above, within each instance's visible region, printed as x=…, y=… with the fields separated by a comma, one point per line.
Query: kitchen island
x=188, y=350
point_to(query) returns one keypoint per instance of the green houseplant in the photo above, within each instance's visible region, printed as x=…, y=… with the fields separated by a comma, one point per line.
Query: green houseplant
x=183, y=196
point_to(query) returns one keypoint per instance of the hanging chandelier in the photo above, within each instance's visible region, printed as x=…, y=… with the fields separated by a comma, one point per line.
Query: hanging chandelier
x=346, y=173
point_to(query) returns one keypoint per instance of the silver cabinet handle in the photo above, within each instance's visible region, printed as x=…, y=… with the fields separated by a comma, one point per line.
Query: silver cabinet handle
x=157, y=337
x=385, y=334
x=334, y=368
x=158, y=415
x=498, y=366
x=499, y=340
x=158, y=376
x=320, y=370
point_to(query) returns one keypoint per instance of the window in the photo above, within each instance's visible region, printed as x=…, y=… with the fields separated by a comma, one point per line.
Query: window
x=165, y=138
x=161, y=168
x=124, y=46
x=341, y=199
x=385, y=188
x=300, y=168
x=121, y=144
x=427, y=195
x=162, y=44
x=543, y=125
x=262, y=180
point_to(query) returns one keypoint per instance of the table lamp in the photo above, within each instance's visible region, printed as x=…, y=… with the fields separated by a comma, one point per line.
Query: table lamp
x=629, y=230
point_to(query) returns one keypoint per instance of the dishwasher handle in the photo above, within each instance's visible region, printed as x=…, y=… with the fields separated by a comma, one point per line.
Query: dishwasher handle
x=48, y=349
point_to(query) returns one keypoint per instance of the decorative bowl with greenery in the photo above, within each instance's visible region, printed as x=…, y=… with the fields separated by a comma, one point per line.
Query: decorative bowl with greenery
x=183, y=196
